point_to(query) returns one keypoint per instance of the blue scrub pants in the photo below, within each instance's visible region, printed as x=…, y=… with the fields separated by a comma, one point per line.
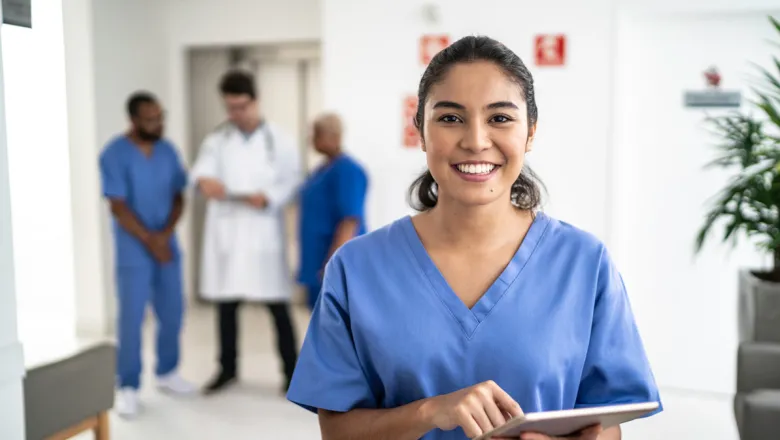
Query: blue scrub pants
x=161, y=285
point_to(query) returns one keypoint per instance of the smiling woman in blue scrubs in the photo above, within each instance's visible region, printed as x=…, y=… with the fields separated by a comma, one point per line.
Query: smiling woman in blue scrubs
x=143, y=179
x=332, y=204
x=445, y=324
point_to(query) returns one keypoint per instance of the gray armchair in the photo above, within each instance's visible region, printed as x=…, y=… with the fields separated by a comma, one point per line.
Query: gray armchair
x=70, y=393
x=757, y=402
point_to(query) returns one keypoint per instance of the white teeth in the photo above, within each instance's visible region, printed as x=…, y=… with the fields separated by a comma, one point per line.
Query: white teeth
x=481, y=168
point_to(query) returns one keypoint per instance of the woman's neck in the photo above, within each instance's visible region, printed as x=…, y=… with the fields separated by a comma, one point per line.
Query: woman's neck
x=477, y=226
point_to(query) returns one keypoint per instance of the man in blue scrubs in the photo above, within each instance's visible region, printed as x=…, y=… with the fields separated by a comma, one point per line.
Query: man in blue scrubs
x=332, y=204
x=143, y=179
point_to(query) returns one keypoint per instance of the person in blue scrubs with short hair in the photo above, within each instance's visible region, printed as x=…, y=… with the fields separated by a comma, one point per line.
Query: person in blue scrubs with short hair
x=445, y=324
x=332, y=204
x=143, y=180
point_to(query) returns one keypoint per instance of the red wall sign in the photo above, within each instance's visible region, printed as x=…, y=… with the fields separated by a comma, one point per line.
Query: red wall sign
x=410, y=135
x=430, y=45
x=550, y=50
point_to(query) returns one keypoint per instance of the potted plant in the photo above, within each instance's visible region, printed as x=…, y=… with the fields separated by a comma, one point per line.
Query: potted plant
x=750, y=202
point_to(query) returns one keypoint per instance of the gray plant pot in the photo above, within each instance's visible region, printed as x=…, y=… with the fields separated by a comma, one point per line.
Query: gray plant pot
x=759, y=309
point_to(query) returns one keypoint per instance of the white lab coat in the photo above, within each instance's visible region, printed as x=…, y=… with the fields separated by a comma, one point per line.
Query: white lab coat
x=243, y=254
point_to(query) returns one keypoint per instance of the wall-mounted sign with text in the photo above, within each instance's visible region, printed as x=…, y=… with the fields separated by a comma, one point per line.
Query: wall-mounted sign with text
x=713, y=96
x=410, y=134
x=17, y=13
x=550, y=50
x=430, y=45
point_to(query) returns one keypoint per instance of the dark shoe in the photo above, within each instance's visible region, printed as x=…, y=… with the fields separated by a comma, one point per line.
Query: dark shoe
x=220, y=382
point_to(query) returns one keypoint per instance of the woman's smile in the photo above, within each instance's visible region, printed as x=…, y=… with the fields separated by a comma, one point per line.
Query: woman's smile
x=476, y=171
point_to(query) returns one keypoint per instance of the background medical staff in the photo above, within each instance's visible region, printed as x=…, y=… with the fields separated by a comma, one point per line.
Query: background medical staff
x=143, y=178
x=249, y=170
x=332, y=204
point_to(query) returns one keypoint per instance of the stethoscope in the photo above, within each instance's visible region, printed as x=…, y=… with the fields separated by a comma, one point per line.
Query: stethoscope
x=236, y=198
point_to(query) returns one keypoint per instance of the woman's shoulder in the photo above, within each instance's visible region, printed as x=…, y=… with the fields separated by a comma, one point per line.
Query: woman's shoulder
x=566, y=236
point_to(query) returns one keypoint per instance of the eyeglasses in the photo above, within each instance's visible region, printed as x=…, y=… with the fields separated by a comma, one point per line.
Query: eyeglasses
x=238, y=107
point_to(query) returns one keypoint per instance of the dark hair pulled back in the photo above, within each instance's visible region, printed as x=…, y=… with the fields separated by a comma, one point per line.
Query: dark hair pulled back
x=525, y=193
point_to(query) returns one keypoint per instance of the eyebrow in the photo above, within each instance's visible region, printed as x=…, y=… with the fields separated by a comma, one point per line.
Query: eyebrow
x=455, y=105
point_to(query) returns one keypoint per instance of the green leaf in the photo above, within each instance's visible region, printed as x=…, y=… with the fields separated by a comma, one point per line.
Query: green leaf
x=749, y=203
x=775, y=23
x=770, y=110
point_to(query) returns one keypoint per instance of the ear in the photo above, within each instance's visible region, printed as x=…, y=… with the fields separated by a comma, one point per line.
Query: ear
x=529, y=144
x=422, y=144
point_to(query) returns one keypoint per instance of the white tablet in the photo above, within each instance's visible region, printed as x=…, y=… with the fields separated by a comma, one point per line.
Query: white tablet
x=566, y=422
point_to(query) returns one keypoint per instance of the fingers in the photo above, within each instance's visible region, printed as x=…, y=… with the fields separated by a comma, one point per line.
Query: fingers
x=535, y=436
x=470, y=426
x=482, y=419
x=590, y=433
x=491, y=408
x=505, y=401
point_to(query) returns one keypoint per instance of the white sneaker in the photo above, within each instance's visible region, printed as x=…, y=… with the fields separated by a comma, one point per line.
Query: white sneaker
x=174, y=384
x=127, y=403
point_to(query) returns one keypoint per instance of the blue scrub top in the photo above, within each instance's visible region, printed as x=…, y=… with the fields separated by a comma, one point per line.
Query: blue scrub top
x=555, y=330
x=148, y=186
x=334, y=192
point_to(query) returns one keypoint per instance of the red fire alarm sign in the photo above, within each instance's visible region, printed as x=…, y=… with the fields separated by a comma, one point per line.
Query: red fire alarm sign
x=550, y=50
x=430, y=45
x=410, y=135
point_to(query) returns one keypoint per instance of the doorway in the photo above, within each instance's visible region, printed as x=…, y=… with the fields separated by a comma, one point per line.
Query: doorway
x=288, y=82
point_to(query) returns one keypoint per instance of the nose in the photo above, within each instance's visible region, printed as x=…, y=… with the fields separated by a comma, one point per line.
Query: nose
x=476, y=138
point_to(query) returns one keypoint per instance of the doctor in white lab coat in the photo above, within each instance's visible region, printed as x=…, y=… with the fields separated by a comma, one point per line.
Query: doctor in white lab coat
x=249, y=170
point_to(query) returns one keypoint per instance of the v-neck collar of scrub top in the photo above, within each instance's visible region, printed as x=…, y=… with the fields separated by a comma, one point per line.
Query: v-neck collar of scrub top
x=137, y=148
x=470, y=319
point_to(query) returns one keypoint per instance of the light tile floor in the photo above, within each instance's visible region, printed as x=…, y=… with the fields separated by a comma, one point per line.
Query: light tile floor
x=255, y=408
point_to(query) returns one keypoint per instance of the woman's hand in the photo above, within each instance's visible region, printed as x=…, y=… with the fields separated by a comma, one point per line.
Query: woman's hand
x=477, y=409
x=591, y=433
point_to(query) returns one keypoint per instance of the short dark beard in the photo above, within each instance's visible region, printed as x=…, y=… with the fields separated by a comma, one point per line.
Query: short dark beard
x=148, y=136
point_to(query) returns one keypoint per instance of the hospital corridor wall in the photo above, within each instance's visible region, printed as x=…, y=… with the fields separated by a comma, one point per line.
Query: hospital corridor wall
x=11, y=358
x=36, y=251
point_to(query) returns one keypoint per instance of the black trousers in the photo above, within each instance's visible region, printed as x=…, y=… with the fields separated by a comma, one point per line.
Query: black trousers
x=228, y=336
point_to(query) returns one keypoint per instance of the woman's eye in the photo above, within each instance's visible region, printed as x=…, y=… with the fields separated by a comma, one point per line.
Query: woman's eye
x=449, y=119
x=500, y=119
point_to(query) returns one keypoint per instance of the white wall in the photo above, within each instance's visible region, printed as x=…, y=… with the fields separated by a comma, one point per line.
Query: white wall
x=113, y=48
x=686, y=304
x=366, y=82
x=590, y=145
x=89, y=251
x=37, y=136
x=11, y=362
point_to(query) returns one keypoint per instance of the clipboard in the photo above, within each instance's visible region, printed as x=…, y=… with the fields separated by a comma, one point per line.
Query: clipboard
x=566, y=422
x=236, y=197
